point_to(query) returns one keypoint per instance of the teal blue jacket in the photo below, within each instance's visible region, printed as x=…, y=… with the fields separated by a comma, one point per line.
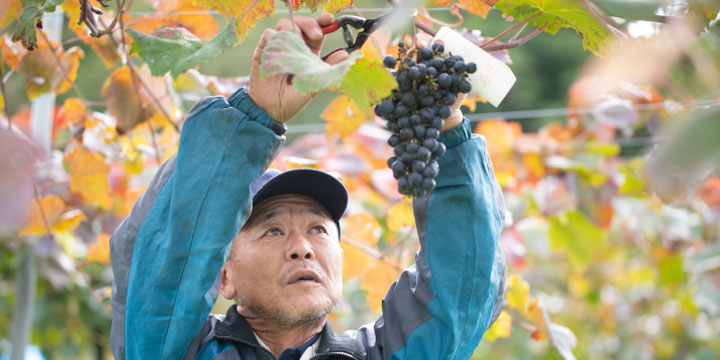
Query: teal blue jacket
x=167, y=254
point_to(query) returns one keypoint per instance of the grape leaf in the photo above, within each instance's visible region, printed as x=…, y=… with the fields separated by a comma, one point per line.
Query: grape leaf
x=89, y=177
x=329, y=6
x=31, y=14
x=177, y=50
x=125, y=100
x=399, y=216
x=518, y=293
x=366, y=83
x=179, y=13
x=99, y=251
x=556, y=14
x=363, y=228
x=578, y=236
x=286, y=52
x=376, y=281
x=478, y=7
x=246, y=12
x=343, y=117
x=501, y=328
x=12, y=52
x=332, y=6
x=43, y=72
x=355, y=261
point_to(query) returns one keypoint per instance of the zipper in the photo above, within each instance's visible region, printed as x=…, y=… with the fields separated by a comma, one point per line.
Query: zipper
x=261, y=345
x=332, y=353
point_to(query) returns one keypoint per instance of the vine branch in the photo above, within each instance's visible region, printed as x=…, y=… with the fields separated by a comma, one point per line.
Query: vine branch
x=508, y=30
x=373, y=253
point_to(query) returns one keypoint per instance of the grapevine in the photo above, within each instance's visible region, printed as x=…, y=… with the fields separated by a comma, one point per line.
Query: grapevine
x=429, y=82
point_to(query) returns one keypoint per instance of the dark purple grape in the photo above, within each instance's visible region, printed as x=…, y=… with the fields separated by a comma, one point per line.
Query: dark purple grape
x=414, y=73
x=432, y=72
x=415, y=119
x=438, y=48
x=407, y=158
x=415, y=179
x=459, y=67
x=437, y=95
x=436, y=122
x=418, y=192
x=391, y=160
x=390, y=61
x=444, y=80
x=430, y=144
x=399, y=166
x=422, y=68
x=412, y=147
x=402, y=78
x=427, y=101
x=431, y=169
x=471, y=68
x=465, y=86
x=399, y=149
x=386, y=107
x=444, y=111
x=428, y=184
x=423, y=154
x=401, y=110
x=403, y=185
x=426, y=53
x=432, y=133
x=426, y=113
x=409, y=62
x=449, y=99
x=458, y=58
x=440, y=151
x=418, y=166
x=455, y=79
x=449, y=61
x=419, y=131
x=406, y=86
x=407, y=98
x=403, y=122
x=437, y=64
x=406, y=134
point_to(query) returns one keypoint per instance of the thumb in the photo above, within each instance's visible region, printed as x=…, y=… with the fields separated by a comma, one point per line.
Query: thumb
x=336, y=56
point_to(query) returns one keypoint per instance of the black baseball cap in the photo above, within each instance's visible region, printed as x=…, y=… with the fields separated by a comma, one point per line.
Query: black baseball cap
x=318, y=185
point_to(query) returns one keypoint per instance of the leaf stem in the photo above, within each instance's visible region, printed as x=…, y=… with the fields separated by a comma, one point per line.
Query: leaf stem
x=4, y=95
x=373, y=253
x=515, y=43
x=508, y=30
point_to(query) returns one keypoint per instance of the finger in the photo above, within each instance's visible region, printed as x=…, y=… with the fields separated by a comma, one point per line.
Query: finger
x=311, y=31
x=422, y=39
x=261, y=44
x=337, y=56
x=324, y=19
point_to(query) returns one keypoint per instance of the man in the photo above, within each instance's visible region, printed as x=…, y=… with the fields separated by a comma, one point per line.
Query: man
x=213, y=219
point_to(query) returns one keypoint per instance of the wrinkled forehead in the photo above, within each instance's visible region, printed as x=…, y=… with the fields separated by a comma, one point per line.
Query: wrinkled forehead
x=285, y=202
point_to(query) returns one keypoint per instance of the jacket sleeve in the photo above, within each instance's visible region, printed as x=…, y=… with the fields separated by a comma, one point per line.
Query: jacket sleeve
x=167, y=254
x=440, y=307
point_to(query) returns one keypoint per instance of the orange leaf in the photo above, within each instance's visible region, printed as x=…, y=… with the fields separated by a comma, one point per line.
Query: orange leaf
x=246, y=16
x=99, y=252
x=124, y=100
x=471, y=102
x=355, y=261
x=89, y=177
x=376, y=281
x=10, y=11
x=51, y=206
x=68, y=221
x=343, y=117
x=103, y=46
x=537, y=318
x=200, y=22
x=43, y=72
x=478, y=7
x=441, y=2
x=362, y=227
x=70, y=60
x=12, y=52
x=75, y=111
x=400, y=215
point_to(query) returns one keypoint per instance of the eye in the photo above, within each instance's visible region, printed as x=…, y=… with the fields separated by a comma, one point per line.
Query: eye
x=273, y=231
x=319, y=229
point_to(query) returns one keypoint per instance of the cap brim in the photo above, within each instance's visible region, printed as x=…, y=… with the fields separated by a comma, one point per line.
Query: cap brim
x=323, y=187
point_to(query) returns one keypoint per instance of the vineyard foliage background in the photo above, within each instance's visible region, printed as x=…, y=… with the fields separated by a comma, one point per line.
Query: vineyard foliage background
x=613, y=234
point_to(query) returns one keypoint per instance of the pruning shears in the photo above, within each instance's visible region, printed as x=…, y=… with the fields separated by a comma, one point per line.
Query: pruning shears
x=356, y=22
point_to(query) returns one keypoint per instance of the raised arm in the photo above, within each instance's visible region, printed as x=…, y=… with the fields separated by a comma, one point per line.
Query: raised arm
x=168, y=252
x=441, y=306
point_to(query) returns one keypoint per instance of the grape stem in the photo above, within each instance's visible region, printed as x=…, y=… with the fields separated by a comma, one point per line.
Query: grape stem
x=499, y=36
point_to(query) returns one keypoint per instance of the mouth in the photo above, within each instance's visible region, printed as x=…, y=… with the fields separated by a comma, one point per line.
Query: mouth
x=304, y=276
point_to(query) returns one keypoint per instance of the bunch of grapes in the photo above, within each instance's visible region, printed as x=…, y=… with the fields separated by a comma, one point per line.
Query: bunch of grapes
x=429, y=82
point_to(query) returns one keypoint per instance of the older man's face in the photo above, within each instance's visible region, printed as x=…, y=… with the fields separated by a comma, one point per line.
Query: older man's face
x=286, y=263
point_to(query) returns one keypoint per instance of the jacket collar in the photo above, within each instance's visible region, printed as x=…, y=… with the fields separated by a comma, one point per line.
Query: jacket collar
x=234, y=327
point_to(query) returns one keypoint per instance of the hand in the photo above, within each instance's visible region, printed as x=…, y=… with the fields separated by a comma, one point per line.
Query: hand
x=275, y=94
x=423, y=39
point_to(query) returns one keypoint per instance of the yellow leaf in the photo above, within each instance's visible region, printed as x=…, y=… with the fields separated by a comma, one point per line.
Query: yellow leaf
x=197, y=20
x=518, y=293
x=336, y=5
x=471, y=102
x=64, y=78
x=89, y=177
x=501, y=328
x=376, y=281
x=68, y=221
x=75, y=111
x=12, y=52
x=245, y=16
x=343, y=117
x=478, y=7
x=399, y=216
x=99, y=252
x=362, y=227
x=51, y=206
x=441, y=2
x=537, y=318
x=378, y=41
x=355, y=261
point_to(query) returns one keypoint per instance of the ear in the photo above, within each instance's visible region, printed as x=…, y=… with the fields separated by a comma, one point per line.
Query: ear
x=226, y=287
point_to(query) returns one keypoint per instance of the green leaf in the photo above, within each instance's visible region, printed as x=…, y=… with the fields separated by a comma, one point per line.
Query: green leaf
x=286, y=53
x=31, y=14
x=579, y=237
x=366, y=83
x=551, y=15
x=177, y=50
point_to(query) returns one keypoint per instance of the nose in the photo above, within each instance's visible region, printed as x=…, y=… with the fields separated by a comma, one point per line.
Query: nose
x=299, y=247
